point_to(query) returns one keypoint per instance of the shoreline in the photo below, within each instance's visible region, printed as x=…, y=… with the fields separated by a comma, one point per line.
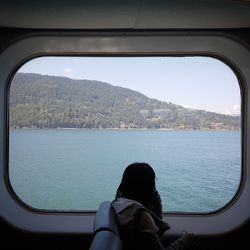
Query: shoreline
x=128, y=129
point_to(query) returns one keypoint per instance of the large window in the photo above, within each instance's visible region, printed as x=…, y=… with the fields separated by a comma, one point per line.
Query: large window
x=75, y=123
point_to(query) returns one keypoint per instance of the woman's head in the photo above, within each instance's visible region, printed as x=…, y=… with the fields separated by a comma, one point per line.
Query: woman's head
x=138, y=183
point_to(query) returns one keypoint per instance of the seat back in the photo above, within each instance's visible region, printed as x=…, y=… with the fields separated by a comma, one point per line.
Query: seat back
x=106, y=240
x=106, y=231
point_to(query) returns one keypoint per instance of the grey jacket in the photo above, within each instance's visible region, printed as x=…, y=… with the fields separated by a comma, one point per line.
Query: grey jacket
x=142, y=229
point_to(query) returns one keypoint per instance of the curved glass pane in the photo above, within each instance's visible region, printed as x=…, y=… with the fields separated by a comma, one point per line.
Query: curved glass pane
x=77, y=122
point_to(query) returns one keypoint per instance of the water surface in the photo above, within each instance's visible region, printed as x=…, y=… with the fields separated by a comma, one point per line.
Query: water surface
x=197, y=171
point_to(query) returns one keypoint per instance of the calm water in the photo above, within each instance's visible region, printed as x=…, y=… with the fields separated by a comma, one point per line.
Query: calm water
x=197, y=171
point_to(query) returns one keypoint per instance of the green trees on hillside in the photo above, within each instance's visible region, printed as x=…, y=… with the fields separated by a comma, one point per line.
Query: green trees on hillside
x=38, y=101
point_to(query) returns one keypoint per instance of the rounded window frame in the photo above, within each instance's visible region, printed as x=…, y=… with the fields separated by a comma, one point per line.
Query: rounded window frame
x=167, y=45
x=42, y=210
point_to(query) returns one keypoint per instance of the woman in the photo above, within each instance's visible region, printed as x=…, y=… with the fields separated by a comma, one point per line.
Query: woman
x=139, y=212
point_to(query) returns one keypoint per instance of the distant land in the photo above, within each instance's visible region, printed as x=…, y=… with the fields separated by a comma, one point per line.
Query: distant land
x=43, y=101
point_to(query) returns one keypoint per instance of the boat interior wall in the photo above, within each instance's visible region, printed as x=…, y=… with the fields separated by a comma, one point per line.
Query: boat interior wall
x=22, y=21
x=132, y=14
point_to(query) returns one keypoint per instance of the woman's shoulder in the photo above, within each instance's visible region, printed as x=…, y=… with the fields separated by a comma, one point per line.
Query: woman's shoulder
x=132, y=211
x=121, y=204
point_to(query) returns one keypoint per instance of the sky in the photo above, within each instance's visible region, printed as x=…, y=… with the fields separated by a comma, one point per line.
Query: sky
x=193, y=81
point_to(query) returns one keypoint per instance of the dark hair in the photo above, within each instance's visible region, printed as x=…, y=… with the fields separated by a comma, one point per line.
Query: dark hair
x=138, y=183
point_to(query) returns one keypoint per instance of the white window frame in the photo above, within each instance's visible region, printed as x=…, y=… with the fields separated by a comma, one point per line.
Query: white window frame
x=221, y=47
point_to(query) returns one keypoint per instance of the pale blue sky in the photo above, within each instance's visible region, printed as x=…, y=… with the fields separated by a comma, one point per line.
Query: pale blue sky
x=194, y=82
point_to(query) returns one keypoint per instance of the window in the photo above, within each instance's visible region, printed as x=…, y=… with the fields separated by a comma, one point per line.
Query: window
x=75, y=123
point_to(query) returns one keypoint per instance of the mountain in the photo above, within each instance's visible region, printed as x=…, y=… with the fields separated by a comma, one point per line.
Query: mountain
x=42, y=101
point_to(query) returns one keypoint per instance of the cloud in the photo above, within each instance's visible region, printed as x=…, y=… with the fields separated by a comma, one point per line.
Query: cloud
x=67, y=71
x=233, y=110
x=236, y=108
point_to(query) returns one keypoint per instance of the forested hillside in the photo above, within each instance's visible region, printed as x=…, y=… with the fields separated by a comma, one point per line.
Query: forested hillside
x=38, y=101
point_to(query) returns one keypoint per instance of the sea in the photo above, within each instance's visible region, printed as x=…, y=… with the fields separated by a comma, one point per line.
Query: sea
x=76, y=169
